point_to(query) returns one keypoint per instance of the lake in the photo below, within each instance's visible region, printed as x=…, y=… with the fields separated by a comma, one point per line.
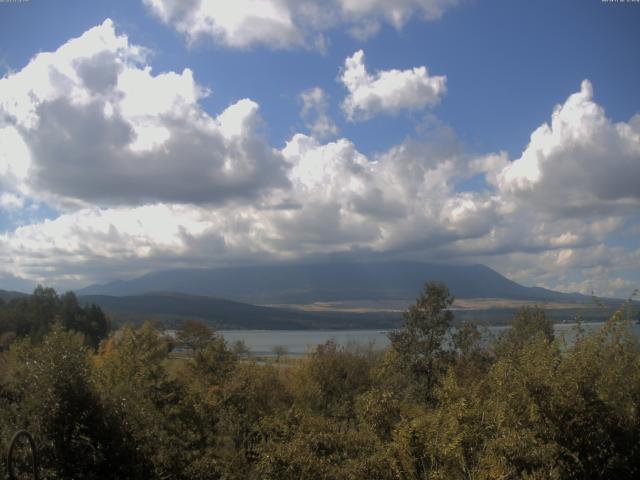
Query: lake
x=300, y=342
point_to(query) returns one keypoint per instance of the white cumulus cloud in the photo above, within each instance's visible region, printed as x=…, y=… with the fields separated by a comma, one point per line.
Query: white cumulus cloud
x=387, y=91
x=239, y=24
x=287, y=24
x=91, y=123
x=579, y=163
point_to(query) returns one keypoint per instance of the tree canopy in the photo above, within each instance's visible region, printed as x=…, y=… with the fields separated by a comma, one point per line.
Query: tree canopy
x=439, y=403
x=34, y=315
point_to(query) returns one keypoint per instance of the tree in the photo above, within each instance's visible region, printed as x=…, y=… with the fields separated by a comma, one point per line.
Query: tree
x=90, y=320
x=240, y=348
x=32, y=316
x=330, y=379
x=252, y=393
x=466, y=339
x=194, y=335
x=528, y=323
x=159, y=417
x=97, y=325
x=52, y=395
x=280, y=351
x=214, y=362
x=39, y=312
x=419, y=343
x=306, y=446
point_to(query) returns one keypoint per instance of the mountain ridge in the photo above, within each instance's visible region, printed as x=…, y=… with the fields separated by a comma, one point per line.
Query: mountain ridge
x=307, y=283
x=173, y=308
x=7, y=295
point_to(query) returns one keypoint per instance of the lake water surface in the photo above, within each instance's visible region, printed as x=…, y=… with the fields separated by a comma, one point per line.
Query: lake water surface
x=301, y=342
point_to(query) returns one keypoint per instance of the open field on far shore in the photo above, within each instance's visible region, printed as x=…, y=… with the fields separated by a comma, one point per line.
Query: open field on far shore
x=399, y=305
x=491, y=303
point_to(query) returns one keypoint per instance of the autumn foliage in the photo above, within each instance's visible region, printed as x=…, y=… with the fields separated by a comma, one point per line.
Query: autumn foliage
x=439, y=403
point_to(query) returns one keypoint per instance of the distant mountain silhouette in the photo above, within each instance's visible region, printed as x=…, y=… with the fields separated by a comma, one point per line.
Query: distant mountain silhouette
x=7, y=295
x=307, y=283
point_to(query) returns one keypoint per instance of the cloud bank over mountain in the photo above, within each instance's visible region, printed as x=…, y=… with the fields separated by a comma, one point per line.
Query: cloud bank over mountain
x=141, y=176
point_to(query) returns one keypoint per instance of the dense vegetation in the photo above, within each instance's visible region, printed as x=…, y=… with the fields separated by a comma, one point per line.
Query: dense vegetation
x=33, y=316
x=436, y=404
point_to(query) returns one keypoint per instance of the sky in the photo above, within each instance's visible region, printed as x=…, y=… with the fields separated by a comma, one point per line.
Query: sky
x=140, y=135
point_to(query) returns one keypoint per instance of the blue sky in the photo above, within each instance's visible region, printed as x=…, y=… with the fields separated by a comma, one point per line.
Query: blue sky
x=506, y=65
x=510, y=61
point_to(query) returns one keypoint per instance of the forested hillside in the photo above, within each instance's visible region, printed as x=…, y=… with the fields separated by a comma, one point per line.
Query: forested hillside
x=33, y=316
x=172, y=308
